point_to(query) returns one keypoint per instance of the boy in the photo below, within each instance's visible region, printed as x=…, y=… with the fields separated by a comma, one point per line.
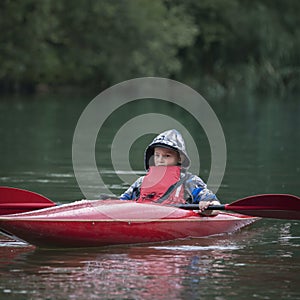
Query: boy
x=167, y=180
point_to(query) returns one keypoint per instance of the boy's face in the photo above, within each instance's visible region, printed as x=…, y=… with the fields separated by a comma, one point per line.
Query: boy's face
x=165, y=157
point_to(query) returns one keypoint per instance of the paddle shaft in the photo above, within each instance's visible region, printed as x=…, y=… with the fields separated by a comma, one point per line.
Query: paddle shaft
x=196, y=207
x=277, y=206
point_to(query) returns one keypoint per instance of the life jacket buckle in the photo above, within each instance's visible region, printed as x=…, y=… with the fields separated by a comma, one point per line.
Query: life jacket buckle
x=149, y=196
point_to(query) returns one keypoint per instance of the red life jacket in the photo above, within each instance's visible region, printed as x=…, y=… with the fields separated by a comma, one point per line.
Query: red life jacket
x=157, y=182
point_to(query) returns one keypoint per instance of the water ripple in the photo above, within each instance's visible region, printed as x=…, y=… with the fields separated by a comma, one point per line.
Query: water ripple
x=196, y=248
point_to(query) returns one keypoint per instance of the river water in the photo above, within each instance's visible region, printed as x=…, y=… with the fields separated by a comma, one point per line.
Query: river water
x=261, y=261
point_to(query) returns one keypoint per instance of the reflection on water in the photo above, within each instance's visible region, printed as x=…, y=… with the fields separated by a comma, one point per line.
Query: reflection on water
x=248, y=264
x=114, y=273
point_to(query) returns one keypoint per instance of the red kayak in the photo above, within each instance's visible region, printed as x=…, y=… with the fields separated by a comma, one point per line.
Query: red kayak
x=95, y=223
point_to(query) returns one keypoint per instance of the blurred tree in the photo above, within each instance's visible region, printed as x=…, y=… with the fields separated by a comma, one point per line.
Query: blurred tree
x=248, y=44
x=25, y=55
x=87, y=41
x=120, y=40
x=218, y=45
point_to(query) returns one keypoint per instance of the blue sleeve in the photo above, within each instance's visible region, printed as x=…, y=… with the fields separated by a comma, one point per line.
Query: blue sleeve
x=203, y=194
x=132, y=193
x=125, y=196
x=198, y=190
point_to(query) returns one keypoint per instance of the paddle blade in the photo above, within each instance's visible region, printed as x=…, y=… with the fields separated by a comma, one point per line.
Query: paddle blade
x=14, y=200
x=276, y=206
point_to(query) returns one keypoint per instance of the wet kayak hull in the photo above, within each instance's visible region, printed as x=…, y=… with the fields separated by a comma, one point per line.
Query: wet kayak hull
x=96, y=224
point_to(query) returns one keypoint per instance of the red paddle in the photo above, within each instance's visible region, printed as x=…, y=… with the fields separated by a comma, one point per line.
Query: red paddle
x=13, y=200
x=278, y=206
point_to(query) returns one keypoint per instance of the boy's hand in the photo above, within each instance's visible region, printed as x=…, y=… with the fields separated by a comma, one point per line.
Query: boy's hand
x=204, y=204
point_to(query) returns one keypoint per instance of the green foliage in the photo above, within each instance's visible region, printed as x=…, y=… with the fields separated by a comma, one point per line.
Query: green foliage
x=219, y=45
x=25, y=55
x=248, y=44
x=120, y=40
x=87, y=41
